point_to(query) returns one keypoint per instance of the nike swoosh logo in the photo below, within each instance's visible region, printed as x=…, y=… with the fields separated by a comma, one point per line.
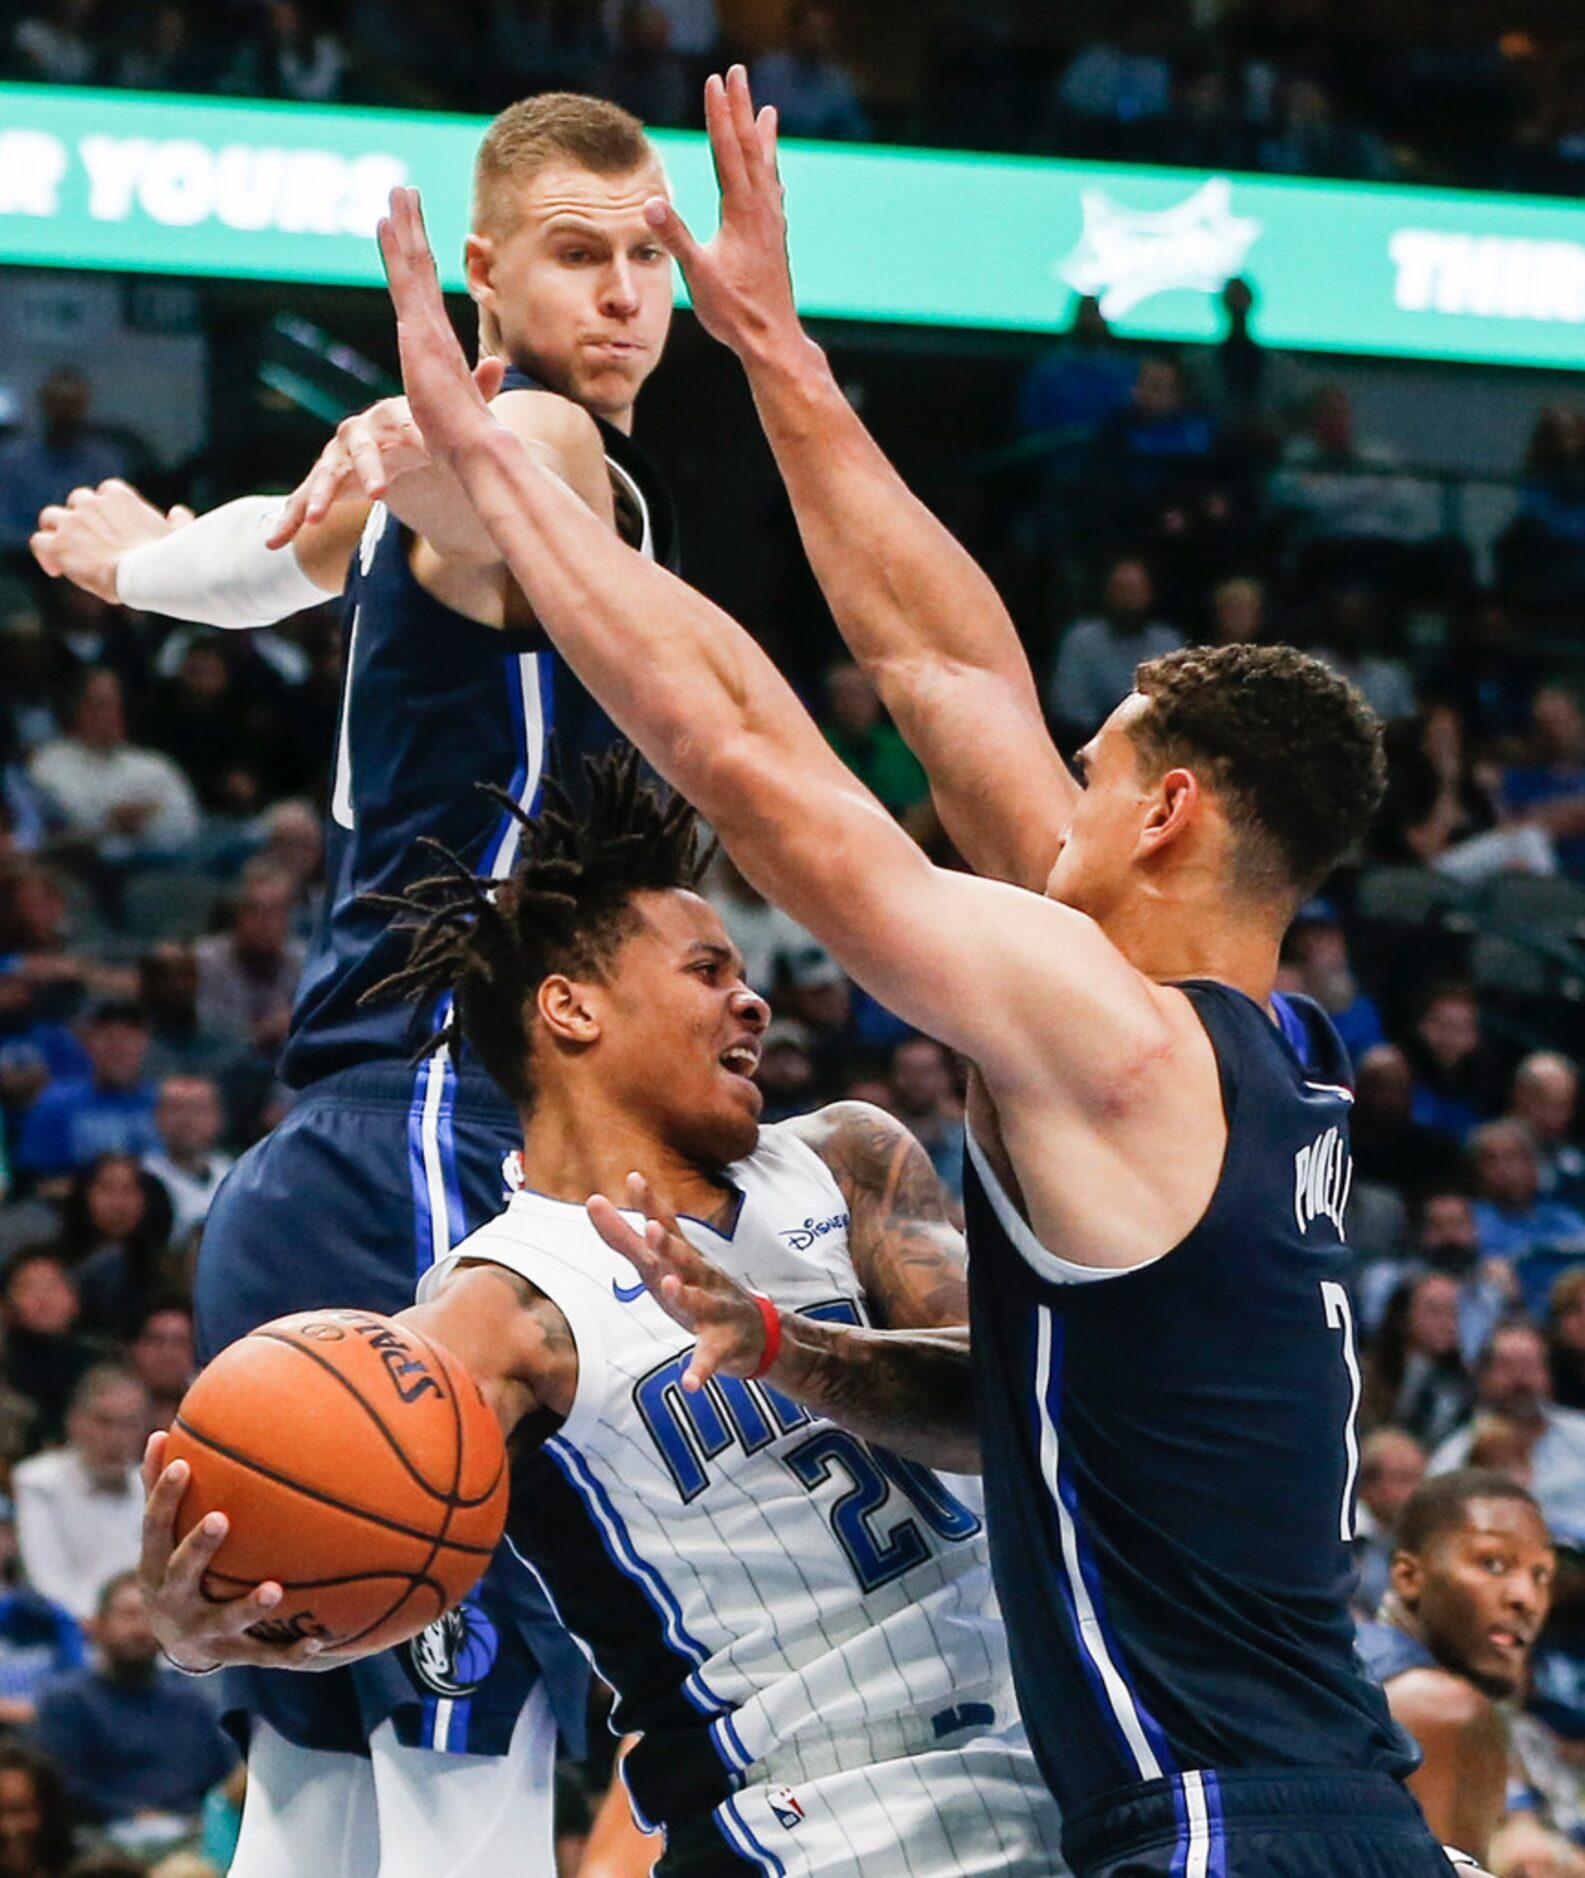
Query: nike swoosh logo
x=625, y=1294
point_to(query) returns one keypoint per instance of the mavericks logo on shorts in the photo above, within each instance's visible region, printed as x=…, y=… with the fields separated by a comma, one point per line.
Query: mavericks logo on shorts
x=455, y=1654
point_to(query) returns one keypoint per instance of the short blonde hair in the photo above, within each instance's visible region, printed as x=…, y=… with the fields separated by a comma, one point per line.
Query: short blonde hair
x=557, y=125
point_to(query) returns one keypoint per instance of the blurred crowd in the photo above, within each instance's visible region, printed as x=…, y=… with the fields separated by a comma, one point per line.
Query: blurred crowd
x=161, y=872
x=1474, y=93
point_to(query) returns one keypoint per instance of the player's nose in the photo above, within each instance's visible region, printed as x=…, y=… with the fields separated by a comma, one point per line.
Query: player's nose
x=750, y=1007
x=621, y=289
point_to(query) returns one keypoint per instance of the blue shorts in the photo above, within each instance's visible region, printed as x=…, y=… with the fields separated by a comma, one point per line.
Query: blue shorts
x=374, y=1174
x=1267, y=1825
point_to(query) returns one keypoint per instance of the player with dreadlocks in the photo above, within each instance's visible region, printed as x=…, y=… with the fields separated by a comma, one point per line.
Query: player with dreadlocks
x=798, y=1620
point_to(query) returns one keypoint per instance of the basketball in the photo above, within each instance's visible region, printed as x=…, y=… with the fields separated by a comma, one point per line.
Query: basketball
x=360, y=1468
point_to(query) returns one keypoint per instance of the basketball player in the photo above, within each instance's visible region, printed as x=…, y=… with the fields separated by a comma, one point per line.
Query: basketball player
x=1167, y=1379
x=799, y=1626
x=1472, y=1573
x=377, y=1171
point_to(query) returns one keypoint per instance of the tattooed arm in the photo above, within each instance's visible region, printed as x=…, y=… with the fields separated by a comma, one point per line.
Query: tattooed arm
x=909, y=1385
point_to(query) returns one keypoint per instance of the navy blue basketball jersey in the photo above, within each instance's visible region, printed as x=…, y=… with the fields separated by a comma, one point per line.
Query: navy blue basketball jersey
x=1170, y=1452
x=432, y=705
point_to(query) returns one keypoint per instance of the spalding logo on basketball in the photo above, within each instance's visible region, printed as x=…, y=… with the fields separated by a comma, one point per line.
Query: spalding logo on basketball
x=455, y=1654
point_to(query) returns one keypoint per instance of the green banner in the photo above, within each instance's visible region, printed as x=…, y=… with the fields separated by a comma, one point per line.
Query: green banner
x=291, y=192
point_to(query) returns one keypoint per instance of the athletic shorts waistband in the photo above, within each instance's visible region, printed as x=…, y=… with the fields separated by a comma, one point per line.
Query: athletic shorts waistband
x=1160, y=1811
x=392, y=1085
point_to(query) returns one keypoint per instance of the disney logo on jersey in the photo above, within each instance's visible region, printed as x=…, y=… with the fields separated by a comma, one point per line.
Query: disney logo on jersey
x=1323, y=1172
x=455, y=1654
x=801, y=1238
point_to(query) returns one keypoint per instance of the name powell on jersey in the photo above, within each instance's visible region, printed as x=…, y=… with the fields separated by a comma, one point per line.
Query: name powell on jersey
x=1323, y=1172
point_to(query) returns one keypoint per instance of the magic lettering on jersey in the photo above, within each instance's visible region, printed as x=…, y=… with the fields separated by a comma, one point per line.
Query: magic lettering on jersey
x=1323, y=1173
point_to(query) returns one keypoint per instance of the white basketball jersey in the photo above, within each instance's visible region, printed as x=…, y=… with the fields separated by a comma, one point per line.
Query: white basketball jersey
x=800, y=1625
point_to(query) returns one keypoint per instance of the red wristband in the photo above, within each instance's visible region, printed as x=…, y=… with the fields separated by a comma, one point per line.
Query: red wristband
x=771, y=1318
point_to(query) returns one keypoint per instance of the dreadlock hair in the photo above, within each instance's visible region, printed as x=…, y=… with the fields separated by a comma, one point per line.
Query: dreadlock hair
x=566, y=907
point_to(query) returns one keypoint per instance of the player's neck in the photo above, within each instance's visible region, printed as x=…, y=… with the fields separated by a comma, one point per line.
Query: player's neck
x=573, y=1149
x=1171, y=936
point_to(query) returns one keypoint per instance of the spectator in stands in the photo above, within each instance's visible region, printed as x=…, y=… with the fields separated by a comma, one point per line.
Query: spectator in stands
x=80, y=1508
x=1414, y=1374
x=36, y=940
x=1543, y=551
x=200, y=720
x=109, y=1111
x=811, y=88
x=39, y=1641
x=1512, y=1384
x=116, y=1228
x=35, y=1815
x=188, y=1163
x=1352, y=635
x=774, y=946
x=33, y=1049
x=1545, y=1097
x=130, y=1740
x=643, y=74
x=1315, y=962
x=1238, y=612
x=1310, y=139
x=44, y=468
x=1075, y=388
x=858, y=730
x=1391, y=1148
x=1391, y=1466
x=180, y=1045
x=163, y=1356
x=1349, y=512
x=1439, y=812
x=167, y=50
x=925, y=1096
x=1123, y=80
x=126, y=802
x=1472, y=1576
x=294, y=845
x=786, y=1075
x=1565, y=1319
x=1457, y=1077
x=45, y=1355
x=1549, y=790
x=1513, y=1221
x=294, y=55
x=1446, y=1242
x=1100, y=653
x=1153, y=464
x=247, y=977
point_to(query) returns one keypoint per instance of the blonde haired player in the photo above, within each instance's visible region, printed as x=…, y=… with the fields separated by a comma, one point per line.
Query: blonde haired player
x=435, y=1759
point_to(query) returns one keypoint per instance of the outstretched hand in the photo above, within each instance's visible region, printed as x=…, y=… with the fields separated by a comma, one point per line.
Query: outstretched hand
x=445, y=399
x=740, y=282
x=721, y=1313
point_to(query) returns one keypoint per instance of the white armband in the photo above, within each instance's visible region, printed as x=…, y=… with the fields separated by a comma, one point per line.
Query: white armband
x=218, y=571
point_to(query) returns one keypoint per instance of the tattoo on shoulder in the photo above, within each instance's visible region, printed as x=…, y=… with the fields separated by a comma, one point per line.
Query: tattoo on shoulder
x=905, y=1247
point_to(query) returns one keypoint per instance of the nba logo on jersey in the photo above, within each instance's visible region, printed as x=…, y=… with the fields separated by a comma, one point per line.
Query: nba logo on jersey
x=513, y=1179
x=784, y=1804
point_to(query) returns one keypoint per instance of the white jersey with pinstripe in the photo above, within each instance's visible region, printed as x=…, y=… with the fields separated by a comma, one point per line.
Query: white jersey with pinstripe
x=801, y=1626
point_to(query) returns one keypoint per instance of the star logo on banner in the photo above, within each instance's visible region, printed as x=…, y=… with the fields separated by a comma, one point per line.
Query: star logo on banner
x=1126, y=255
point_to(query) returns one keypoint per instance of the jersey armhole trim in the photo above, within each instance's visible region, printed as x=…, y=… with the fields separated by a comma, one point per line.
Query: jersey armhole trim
x=568, y=1291
x=1045, y=1264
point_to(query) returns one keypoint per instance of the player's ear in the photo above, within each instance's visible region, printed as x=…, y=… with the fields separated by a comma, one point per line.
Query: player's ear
x=1170, y=810
x=1407, y=1577
x=566, y=1011
x=478, y=267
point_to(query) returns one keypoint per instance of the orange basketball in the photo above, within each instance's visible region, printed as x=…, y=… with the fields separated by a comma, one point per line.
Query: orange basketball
x=360, y=1467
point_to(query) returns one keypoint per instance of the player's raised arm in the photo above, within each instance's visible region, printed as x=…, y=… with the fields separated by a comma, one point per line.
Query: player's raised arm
x=220, y=569
x=917, y=612
x=706, y=706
